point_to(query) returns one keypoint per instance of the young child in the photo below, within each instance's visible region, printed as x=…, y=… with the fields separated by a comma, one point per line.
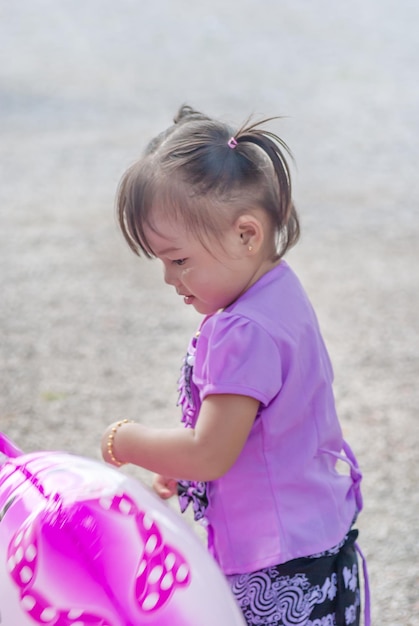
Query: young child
x=257, y=457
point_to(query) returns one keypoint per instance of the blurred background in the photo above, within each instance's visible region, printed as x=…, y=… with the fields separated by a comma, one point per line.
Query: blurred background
x=89, y=333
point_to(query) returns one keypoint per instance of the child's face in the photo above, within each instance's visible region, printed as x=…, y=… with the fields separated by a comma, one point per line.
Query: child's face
x=208, y=278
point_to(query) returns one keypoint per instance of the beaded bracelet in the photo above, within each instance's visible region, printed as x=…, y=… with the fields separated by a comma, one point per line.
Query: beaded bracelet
x=111, y=439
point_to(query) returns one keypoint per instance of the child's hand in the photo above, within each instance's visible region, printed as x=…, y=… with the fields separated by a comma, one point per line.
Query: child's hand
x=164, y=487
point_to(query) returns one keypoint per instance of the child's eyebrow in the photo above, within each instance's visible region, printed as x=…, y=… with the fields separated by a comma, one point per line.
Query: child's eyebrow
x=169, y=250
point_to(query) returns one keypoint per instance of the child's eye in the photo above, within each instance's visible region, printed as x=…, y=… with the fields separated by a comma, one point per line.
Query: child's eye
x=179, y=261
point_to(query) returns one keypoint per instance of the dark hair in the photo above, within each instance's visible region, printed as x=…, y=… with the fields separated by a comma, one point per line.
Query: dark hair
x=189, y=172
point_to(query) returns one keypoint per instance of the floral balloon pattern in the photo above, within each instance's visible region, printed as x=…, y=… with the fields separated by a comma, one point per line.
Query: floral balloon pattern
x=81, y=544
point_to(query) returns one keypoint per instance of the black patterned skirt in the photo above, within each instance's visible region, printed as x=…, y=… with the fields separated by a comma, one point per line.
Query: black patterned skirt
x=319, y=590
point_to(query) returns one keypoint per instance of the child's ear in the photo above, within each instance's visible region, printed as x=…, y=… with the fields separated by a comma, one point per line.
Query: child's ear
x=250, y=230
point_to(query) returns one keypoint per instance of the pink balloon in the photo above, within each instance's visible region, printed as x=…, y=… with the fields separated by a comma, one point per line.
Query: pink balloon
x=82, y=544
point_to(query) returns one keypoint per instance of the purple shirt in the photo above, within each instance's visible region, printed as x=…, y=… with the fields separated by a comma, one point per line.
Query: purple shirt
x=283, y=498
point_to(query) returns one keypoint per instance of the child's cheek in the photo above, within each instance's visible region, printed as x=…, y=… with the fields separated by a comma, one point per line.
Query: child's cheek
x=187, y=275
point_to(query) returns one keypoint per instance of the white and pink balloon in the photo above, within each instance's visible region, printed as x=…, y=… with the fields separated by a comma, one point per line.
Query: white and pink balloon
x=82, y=544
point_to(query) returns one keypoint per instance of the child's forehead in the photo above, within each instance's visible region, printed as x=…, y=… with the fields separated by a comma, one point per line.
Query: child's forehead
x=164, y=234
x=167, y=236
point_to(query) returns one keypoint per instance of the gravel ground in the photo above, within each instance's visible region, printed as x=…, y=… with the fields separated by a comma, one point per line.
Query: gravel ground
x=88, y=333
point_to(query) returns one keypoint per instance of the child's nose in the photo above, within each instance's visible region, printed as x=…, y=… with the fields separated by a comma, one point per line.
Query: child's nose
x=170, y=275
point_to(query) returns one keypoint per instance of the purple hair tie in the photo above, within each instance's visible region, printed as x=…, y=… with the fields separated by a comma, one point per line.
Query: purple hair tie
x=232, y=143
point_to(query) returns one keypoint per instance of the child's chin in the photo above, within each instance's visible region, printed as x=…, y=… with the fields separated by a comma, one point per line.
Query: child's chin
x=203, y=308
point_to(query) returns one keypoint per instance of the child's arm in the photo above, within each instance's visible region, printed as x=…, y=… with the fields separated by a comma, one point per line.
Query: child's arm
x=205, y=452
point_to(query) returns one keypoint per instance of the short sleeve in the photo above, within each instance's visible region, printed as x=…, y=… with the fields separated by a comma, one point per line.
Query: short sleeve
x=235, y=355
